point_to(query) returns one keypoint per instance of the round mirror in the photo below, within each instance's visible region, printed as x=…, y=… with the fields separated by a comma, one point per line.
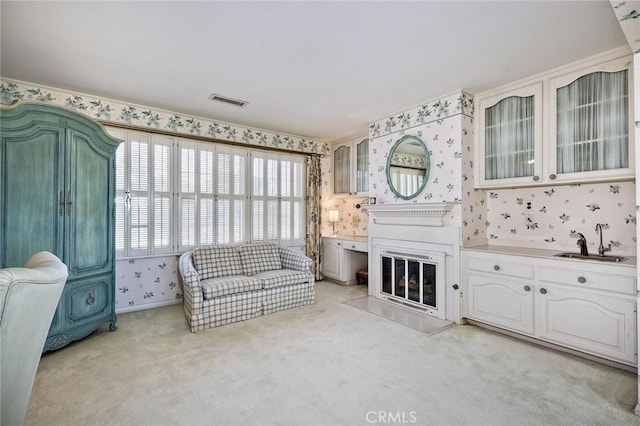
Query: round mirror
x=408, y=167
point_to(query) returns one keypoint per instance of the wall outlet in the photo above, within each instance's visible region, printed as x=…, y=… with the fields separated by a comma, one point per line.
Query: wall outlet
x=528, y=205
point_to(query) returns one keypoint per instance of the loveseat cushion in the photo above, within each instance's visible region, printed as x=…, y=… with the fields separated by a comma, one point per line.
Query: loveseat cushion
x=258, y=258
x=282, y=277
x=216, y=261
x=222, y=286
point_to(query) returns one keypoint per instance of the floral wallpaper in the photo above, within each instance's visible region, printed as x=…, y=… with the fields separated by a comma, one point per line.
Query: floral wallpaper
x=474, y=206
x=146, y=283
x=551, y=217
x=628, y=14
x=353, y=220
x=440, y=125
x=151, y=118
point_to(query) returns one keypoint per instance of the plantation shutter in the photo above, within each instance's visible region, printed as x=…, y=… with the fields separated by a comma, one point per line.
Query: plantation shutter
x=187, y=197
x=162, y=195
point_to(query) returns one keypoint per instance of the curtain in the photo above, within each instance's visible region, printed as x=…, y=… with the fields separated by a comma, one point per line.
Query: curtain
x=314, y=202
x=509, y=138
x=592, y=123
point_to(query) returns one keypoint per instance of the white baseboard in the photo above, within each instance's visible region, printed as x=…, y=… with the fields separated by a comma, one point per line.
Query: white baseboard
x=147, y=306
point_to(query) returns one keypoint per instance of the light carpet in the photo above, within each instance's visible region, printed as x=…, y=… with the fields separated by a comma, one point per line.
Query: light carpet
x=322, y=364
x=400, y=314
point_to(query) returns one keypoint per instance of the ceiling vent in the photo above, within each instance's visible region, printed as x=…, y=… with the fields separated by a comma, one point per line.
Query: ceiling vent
x=235, y=102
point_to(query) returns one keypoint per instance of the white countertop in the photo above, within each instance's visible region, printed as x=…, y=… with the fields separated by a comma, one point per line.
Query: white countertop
x=544, y=253
x=348, y=238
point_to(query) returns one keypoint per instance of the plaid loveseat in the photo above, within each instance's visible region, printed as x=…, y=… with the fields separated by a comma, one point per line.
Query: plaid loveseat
x=225, y=284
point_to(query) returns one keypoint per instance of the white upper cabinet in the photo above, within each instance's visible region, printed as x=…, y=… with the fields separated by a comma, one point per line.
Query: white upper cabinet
x=351, y=167
x=510, y=131
x=571, y=125
x=590, y=124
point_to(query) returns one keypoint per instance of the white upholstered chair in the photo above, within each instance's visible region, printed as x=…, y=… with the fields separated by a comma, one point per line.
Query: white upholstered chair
x=28, y=300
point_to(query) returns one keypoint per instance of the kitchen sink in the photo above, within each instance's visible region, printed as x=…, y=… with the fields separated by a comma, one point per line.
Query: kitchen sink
x=592, y=257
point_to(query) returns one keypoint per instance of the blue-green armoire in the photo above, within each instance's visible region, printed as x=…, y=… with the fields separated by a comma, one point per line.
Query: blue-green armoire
x=57, y=189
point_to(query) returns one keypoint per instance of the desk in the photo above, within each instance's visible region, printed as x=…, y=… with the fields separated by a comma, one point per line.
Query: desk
x=344, y=256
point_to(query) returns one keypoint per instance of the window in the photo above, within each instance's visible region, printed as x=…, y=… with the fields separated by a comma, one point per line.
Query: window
x=144, y=194
x=175, y=194
x=277, y=197
x=213, y=195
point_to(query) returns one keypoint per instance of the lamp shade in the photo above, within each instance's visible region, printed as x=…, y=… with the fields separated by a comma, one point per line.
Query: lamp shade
x=334, y=215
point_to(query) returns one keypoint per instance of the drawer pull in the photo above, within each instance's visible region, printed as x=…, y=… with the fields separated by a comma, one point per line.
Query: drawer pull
x=455, y=286
x=527, y=288
x=552, y=176
x=582, y=280
x=543, y=290
x=353, y=246
x=90, y=299
x=536, y=178
x=496, y=267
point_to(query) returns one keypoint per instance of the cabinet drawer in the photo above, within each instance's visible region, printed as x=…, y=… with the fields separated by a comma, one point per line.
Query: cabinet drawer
x=588, y=279
x=355, y=245
x=89, y=300
x=500, y=266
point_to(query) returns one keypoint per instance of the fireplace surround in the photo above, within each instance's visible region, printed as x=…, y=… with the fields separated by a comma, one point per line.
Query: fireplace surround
x=414, y=257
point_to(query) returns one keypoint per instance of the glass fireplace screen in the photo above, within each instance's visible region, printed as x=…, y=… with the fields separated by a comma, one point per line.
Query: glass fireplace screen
x=410, y=279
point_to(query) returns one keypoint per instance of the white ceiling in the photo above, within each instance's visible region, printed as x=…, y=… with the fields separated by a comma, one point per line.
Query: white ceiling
x=316, y=69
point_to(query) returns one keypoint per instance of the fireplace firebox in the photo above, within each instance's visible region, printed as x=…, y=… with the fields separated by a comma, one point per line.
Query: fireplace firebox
x=413, y=279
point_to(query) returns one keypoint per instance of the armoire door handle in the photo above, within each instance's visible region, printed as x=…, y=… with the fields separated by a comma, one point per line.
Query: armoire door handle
x=69, y=203
x=61, y=203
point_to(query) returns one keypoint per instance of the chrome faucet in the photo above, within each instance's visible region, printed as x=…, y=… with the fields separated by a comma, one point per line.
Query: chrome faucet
x=602, y=249
x=582, y=242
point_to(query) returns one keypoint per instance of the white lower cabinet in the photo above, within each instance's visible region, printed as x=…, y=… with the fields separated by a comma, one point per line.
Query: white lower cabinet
x=585, y=306
x=502, y=302
x=591, y=322
x=342, y=258
x=332, y=258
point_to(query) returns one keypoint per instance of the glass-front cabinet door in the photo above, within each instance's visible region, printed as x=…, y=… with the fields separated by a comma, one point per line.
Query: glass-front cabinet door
x=351, y=167
x=342, y=170
x=510, y=135
x=590, y=124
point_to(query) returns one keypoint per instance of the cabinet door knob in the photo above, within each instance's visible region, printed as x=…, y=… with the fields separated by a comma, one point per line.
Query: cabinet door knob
x=536, y=178
x=527, y=288
x=552, y=176
x=90, y=299
x=582, y=280
x=338, y=244
x=496, y=267
x=543, y=290
x=455, y=286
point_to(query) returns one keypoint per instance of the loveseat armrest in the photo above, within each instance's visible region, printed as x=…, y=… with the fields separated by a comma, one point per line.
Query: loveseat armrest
x=291, y=259
x=188, y=271
x=193, y=297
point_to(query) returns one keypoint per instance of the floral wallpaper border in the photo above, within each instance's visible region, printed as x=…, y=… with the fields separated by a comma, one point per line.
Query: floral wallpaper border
x=150, y=118
x=628, y=14
x=409, y=160
x=458, y=102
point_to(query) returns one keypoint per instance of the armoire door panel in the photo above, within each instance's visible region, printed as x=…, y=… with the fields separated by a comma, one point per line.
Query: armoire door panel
x=32, y=183
x=90, y=207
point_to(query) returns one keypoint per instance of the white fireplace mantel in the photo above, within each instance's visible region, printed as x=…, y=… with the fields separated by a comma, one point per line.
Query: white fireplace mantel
x=418, y=214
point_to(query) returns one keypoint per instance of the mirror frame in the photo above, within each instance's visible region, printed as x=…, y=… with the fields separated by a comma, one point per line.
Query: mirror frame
x=427, y=168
